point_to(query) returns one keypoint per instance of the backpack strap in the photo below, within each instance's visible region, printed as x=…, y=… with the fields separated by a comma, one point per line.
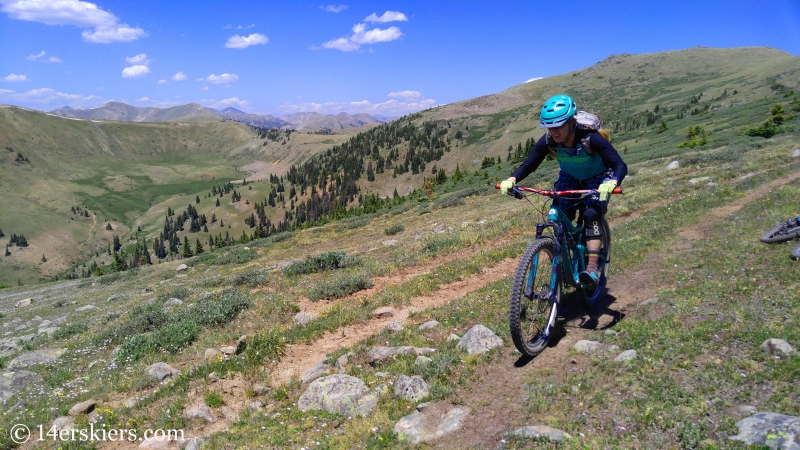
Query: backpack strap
x=587, y=147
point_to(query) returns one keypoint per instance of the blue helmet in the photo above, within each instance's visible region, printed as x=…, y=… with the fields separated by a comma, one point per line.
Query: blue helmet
x=557, y=110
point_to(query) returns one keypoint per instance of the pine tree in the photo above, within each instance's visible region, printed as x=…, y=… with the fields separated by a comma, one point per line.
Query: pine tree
x=108, y=226
x=217, y=202
x=187, y=250
x=44, y=260
x=8, y=253
x=1, y=233
x=198, y=247
x=117, y=243
x=197, y=199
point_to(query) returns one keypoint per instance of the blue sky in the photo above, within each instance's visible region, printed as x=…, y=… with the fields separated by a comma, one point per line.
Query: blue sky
x=379, y=57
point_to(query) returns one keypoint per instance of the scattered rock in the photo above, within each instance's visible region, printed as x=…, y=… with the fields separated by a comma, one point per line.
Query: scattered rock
x=46, y=356
x=212, y=354
x=339, y=394
x=112, y=298
x=342, y=361
x=86, y=308
x=422, y=406
x=542, y=431
x=397, y=325
x=8, y=346
x=382, y=374
x=429, y=325
x=47, y=330
x=422, y=360
x=381, y=353
x=423, y=350
x=747, y=175
x=649, y=301
x=303, y=318
x=161, y=371
x=241, y=344
x=190, y=444
x=260, y=389
x=200, y=412
x=156, y=443
x=317, y=370
x=611, y=332
x=776, y=431
x=382, y=389
x=411, y=428
x=778, y=347
x=479, y=339
x=84, y=407
x=130, y=403
x=699, y=180
x=14, y=381
x=228, y=350
x=181, y=268
x=747, y=409
x=411, y=388
x=796, y=153
x=673, y=165
x=383, y=311
x=627, y=355
x=254, y=405
x=213, y=377
x=453, y=337
x=23, y=303
x=389, y=242
x=63, y=423
x=173, y=302
x=584, y=346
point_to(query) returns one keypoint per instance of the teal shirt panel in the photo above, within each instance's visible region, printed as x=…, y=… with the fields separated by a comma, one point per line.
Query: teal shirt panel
x=578, y=164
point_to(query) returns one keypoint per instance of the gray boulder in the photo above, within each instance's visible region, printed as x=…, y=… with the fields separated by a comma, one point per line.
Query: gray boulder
x=584, y=346
x=339, y=394
x=778, y=347
x=429, y=325
x=46, y=356
x=200, y=412
x=479, y=339
x=381, y=353
x=173, y=302
x=796, y=153
x=776, y=431
x=84, y=407
x=181, y=267
x=303, y=318
x=14, y=381
x=414, y=428
x=627, y=355
x=542, y=431
x=673, y=165
x=161, y=371
x=412, y=388
x=317, y=370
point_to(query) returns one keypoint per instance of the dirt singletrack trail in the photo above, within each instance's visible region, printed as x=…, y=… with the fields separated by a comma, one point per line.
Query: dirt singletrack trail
x=495, y=398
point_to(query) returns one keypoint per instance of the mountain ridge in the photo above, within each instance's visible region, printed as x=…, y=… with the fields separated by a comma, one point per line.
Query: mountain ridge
x=303, y=121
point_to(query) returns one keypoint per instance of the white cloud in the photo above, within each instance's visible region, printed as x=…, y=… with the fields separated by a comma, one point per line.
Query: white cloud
x=361, y=35
x=199, y=79
x=334, y=8
x=44, y=96
x=106, y=26
x=222, y=79
x=135, y=71
x=240, y=27
x=404, y=102
x=180, y=76
x=233, y=101
x=405, y=94
x=14, y=78
x=388, y=16
x=237, y=41
x=144, y=99
x=162, y=81
x=533, y=79
x=138, y=59
x=205, y=88
x=37, y=56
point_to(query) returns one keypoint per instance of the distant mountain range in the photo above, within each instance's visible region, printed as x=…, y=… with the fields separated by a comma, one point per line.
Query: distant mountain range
x=193, y=112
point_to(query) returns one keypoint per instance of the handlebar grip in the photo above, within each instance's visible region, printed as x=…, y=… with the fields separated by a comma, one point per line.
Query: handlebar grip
x=497, y=186
x=617, y=191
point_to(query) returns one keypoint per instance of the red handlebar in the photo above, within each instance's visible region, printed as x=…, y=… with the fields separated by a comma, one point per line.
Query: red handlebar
x=560, y=193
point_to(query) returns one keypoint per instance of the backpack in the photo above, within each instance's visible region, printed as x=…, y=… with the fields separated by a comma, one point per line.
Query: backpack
x=589, y=121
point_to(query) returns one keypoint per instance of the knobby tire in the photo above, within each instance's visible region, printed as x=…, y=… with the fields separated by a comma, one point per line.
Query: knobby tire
x=533, y=307
x=781, y=233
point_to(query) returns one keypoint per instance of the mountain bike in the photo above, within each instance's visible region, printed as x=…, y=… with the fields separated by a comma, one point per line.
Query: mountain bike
x=554, y=259
x=785, y=232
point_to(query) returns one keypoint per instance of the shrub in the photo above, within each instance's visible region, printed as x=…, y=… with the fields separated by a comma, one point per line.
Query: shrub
x=251, y=278
x=450, y=201
x=214, y=400
x=767, y=129
x=70, y=330
x=323, y=261
x=216, y=310
x=357, y=224
x=339, y=287
x=141, y=319
x=236, y=256
x=265, y=346
x=437, y=244
x=394, y=229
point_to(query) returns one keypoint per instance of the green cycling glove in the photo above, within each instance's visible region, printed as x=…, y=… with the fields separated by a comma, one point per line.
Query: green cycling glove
x=606, y=188
x=507, y=184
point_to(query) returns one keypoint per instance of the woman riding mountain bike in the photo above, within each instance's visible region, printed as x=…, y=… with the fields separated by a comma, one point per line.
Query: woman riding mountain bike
x=587, y=160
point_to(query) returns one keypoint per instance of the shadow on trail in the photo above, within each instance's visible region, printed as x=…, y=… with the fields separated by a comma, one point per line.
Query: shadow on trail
x=576, y=314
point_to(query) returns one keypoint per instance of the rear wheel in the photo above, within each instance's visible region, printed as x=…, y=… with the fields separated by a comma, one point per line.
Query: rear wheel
x=596, y=292
x=784, y=232
x=534, y=304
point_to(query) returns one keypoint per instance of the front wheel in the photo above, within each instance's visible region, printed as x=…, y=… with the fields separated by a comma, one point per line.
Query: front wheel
x=784, y=232
x=534, y=298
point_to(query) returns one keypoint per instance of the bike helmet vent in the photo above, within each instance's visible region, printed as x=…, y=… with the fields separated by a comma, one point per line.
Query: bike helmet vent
x=557, y=110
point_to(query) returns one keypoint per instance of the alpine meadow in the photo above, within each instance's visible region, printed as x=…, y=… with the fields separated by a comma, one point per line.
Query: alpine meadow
x=347, y=286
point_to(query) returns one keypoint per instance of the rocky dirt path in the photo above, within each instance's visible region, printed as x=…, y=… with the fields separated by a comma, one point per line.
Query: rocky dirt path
x=495, y=397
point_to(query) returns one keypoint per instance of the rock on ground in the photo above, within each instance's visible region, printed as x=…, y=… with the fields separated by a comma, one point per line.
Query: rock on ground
x=585, y=346
x=14, y=381
x=429, y=325
x=317, y=370
x=777, y=431
x=339, y=394
x=542, y=431
x=778, y=347
x=412, y=388
x=84, y=407
x=200, y=412
x=411, y=428
x=479, y=339
x=303, y=318
x=160, y=371
x=45, y=356
x=627, y=355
